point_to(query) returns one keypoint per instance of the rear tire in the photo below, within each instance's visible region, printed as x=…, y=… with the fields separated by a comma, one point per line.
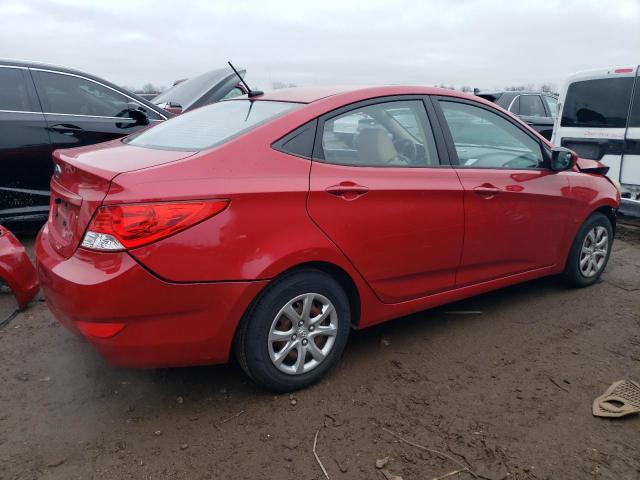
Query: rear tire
x=295, y=332
x=589, y=252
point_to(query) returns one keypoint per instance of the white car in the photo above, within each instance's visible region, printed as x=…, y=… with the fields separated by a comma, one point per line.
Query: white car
x=599, y=118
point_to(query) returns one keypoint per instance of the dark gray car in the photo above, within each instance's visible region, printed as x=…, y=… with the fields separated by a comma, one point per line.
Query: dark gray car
x=537, y=109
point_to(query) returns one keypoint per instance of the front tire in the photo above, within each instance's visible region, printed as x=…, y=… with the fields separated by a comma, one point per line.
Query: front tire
x=590, y=251
x=295, y=332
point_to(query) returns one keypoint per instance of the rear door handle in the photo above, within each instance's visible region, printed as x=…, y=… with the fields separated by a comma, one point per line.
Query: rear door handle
x=487, y=190
x=347, y=190
x=66, y=128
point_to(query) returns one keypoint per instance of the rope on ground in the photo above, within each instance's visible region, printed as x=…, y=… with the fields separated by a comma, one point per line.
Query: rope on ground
x=7, y=320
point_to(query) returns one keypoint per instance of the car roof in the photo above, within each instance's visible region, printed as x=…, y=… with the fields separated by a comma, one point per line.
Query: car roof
x=515, y=92
x=605, y=72
x=313, y=94
x=62, y=69
x=45, y=66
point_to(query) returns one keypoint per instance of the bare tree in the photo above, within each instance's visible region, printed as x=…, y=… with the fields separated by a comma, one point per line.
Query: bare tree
x=549, y=87
x=150, y=88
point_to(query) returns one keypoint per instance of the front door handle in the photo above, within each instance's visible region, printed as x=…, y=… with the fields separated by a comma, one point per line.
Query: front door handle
x=347, y=190
x=486, y=190
x=66, y=128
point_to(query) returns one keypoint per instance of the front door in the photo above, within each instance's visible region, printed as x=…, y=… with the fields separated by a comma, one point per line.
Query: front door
x=381, y=192
x=515, y=208
x=80, y=111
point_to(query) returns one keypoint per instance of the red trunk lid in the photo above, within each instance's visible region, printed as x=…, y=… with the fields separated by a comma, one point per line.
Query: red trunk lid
x=82, y=178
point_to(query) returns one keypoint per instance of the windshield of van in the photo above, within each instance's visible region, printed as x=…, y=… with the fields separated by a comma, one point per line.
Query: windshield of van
x=602, y=103
x=209, y=126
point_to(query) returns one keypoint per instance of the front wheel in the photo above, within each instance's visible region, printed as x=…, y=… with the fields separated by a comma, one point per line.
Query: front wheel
x=590, y=251
x=295, y=332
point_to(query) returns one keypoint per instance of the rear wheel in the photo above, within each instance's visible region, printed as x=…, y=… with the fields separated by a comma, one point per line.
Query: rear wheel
x=590, y=251
x=295, y=332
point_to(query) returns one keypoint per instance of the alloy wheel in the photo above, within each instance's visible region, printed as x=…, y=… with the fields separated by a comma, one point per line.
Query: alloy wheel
x=303, y=333
x=593, y=254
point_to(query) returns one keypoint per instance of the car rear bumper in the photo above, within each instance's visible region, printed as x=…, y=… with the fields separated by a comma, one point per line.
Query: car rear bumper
x=16, y=268
x=165, y=324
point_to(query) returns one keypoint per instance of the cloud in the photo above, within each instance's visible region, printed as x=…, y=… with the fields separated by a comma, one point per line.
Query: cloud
x=481, y=43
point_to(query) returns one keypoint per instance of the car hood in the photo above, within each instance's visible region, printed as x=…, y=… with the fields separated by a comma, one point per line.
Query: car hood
x=197, y=91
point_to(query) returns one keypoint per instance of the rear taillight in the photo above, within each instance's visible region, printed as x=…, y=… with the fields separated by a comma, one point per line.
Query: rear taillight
x=120, y=227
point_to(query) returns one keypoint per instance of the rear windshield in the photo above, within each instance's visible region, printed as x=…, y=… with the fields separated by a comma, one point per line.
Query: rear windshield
x=600, y=103
x=187, y=92
x=209, y=126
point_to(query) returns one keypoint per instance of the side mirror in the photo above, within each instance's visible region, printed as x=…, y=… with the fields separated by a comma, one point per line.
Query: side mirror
x=562, y=159
x=138, y=113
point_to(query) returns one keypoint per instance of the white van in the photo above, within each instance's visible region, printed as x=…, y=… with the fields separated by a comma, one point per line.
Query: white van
x=599, y=118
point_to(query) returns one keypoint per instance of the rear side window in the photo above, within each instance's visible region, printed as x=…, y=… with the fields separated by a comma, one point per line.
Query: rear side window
x=600, y=103
x=209, y=126
x=13, y=91
x=299, y=142
x=389, y=134
x=531, y=106
x=552, y=104
x=634, y=118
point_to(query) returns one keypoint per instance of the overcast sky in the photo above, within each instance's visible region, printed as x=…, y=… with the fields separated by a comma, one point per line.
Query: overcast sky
x=480, y=43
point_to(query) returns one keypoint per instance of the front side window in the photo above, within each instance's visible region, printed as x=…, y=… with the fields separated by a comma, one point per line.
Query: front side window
x=531, y=106
x=552, y=104
x=484, y=139
x=13, y=91
x=601, y=103
x=209, y=126
x=390, y=134
x=66, y=94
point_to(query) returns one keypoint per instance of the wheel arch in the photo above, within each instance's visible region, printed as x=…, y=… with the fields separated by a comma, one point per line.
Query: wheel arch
x=341, y=276
x=609, y=212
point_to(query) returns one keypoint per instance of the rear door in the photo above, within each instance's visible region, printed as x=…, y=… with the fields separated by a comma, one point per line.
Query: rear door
x=80, y=111
x=515, y=208
x=593, y=116
x=25, y=150
x=382, y=191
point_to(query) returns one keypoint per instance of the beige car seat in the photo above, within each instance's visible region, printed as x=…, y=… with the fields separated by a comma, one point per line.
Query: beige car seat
x=375, y=147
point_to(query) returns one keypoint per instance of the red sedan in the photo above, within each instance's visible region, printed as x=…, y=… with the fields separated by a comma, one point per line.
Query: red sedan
x=271, y=226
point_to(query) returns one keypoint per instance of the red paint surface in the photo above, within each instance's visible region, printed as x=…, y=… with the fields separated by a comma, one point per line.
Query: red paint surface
x=16, y=268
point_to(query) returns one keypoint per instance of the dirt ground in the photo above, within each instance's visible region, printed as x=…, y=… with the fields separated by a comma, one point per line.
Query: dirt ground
x=506, y=393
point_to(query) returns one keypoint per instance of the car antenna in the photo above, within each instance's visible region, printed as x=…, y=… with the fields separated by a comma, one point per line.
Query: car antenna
x=251, y=93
